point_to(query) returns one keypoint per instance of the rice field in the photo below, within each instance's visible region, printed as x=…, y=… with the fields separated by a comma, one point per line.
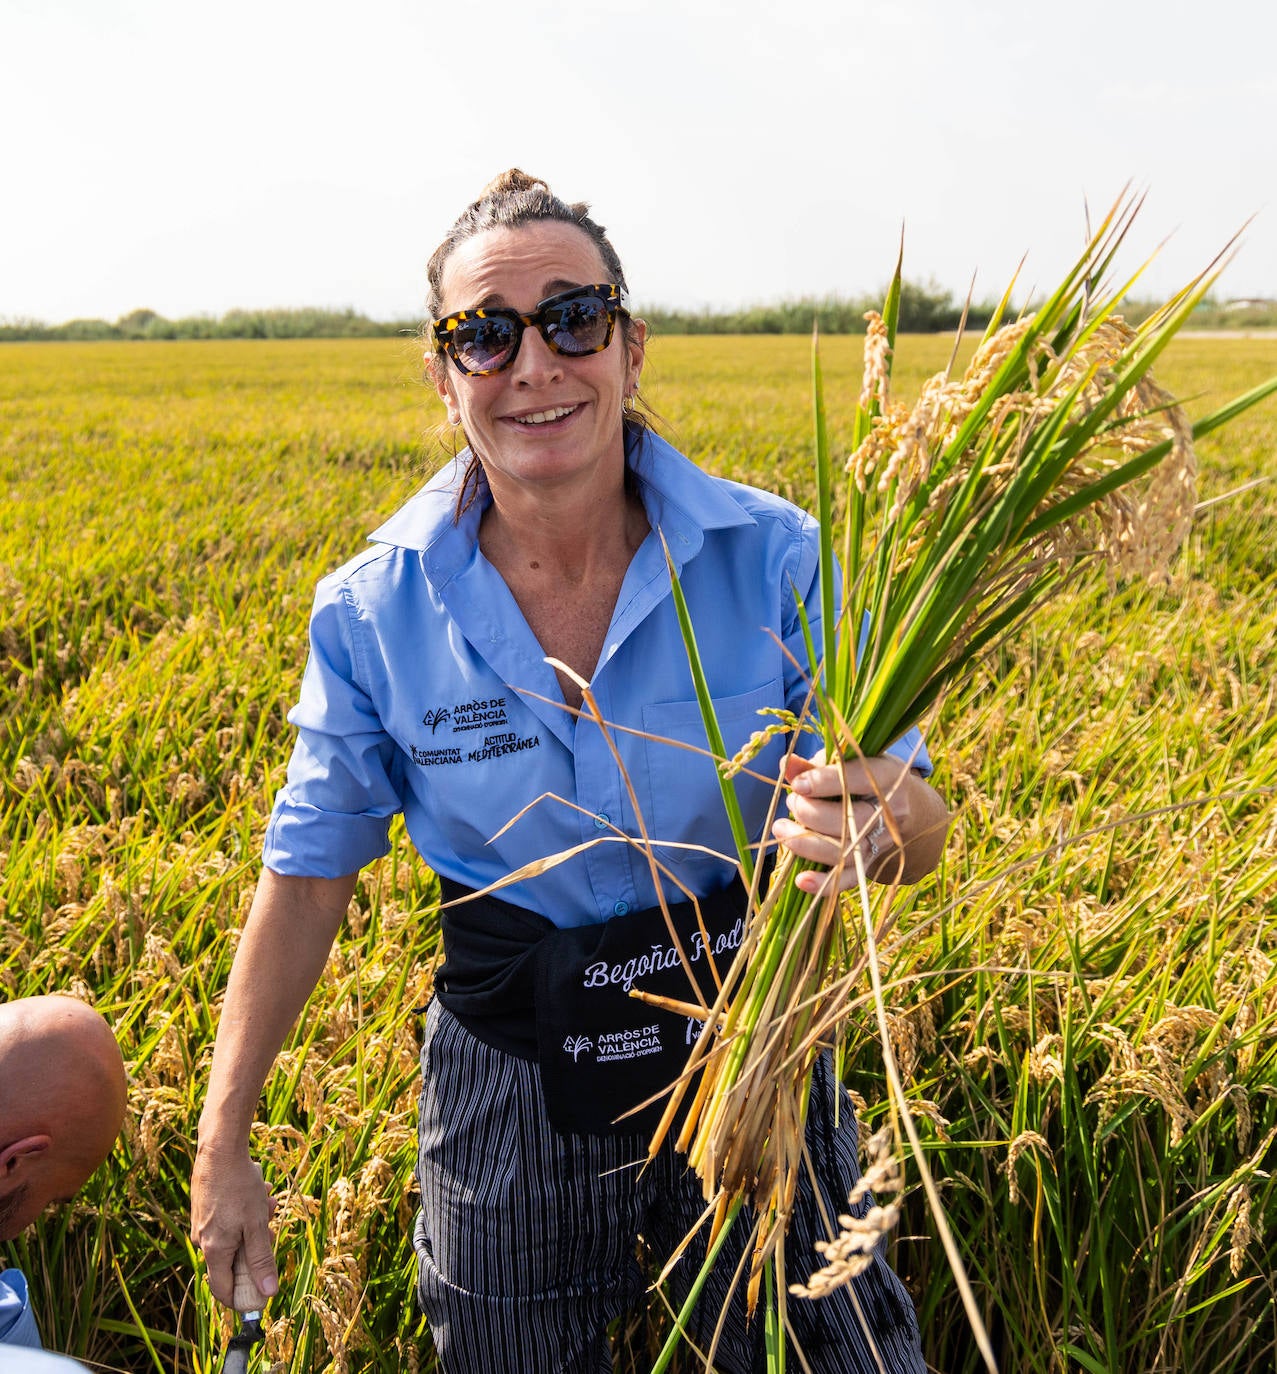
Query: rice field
x=1084, y=996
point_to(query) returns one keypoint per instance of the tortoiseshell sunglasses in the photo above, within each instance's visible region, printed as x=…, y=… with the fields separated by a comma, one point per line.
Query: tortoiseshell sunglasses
x=573, y=323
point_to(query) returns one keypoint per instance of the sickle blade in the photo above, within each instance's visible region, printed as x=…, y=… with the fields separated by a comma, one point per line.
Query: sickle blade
x=240, y=1344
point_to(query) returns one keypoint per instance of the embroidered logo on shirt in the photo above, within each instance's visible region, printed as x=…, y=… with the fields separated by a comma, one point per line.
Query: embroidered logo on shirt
x=483, y=713
x=479, y=715
x=429, y=758
x=498, y=746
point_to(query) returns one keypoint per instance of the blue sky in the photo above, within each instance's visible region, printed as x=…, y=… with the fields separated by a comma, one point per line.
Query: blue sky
x=195, y=158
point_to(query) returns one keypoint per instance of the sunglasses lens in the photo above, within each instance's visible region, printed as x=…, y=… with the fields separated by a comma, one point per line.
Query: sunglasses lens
x=580, y=325
x=483, y=345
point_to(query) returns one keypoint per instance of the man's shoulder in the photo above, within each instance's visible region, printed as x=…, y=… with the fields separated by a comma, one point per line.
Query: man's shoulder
x=17, y=1321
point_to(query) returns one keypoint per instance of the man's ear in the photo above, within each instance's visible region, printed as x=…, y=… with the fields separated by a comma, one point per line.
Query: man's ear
x=14, y=1155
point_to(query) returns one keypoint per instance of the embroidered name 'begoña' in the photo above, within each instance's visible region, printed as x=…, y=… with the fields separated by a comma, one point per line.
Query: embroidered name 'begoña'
x=498, y=746
x=657, y=959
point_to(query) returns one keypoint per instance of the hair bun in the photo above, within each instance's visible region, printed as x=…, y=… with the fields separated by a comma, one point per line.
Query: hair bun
x=513, y=181
x=510, y=201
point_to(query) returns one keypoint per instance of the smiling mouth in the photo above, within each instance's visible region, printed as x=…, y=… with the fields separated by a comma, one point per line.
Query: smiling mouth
x=545, y=417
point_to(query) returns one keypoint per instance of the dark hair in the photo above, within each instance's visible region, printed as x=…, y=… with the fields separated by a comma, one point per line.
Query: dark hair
x=510, y=201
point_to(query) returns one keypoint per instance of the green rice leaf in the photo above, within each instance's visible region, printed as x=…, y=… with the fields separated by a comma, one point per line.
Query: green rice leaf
x=713, y=733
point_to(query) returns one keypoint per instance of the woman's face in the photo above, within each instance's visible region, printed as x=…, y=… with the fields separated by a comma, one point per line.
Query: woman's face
x=547, y=421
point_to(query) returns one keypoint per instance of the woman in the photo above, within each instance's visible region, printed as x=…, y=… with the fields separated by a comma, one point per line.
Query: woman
x=428, y=691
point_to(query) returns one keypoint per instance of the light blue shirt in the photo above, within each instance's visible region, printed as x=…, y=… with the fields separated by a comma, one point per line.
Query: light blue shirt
x=17, y=1321
x=426, y=692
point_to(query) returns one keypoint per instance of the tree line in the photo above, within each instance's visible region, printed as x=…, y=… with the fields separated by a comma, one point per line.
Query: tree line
x=304, y=323
x=924, y=309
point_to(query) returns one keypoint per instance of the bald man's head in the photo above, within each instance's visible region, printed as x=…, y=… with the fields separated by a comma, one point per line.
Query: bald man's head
x=62, y=1099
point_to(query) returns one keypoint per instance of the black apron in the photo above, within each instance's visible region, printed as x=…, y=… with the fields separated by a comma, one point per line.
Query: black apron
x=561, y=997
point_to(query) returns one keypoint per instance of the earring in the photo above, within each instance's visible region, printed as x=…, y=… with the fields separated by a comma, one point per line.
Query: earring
x=628, y=402
x=454, y=417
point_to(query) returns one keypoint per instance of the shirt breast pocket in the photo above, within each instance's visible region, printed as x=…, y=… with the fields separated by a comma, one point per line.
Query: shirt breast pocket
x=684, y=800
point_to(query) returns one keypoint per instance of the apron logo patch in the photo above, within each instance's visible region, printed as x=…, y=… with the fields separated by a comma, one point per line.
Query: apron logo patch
x=616, y=1045
x=602, y=1057
x=628, y=1044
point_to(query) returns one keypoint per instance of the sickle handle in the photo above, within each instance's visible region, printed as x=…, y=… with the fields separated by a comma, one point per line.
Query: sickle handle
x=247, y=1297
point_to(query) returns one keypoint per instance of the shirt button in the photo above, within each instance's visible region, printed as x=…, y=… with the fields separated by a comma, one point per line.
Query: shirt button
x=620, y=908
x=602, y=821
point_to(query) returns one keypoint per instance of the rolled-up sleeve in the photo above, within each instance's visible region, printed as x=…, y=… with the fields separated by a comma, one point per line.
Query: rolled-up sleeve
x=332, y=816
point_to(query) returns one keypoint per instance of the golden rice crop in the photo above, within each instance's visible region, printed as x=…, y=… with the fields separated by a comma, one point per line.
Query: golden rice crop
x=1085, y=994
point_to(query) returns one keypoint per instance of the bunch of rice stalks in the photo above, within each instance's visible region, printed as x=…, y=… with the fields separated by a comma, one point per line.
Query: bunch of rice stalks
x=1054, y=450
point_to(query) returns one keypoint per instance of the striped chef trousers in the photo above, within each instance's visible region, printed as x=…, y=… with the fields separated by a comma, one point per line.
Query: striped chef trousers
x=526, y=1240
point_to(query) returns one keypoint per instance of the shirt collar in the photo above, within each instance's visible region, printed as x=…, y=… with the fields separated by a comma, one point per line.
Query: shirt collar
x=682, y=502
x=426, y=522
x=675, y=488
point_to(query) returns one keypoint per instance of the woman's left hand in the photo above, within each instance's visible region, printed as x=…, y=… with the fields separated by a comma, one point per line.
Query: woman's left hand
x=877, y=805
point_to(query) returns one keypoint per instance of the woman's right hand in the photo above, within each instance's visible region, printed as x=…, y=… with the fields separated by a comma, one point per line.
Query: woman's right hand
x=230, y=1211
x=286, y=939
